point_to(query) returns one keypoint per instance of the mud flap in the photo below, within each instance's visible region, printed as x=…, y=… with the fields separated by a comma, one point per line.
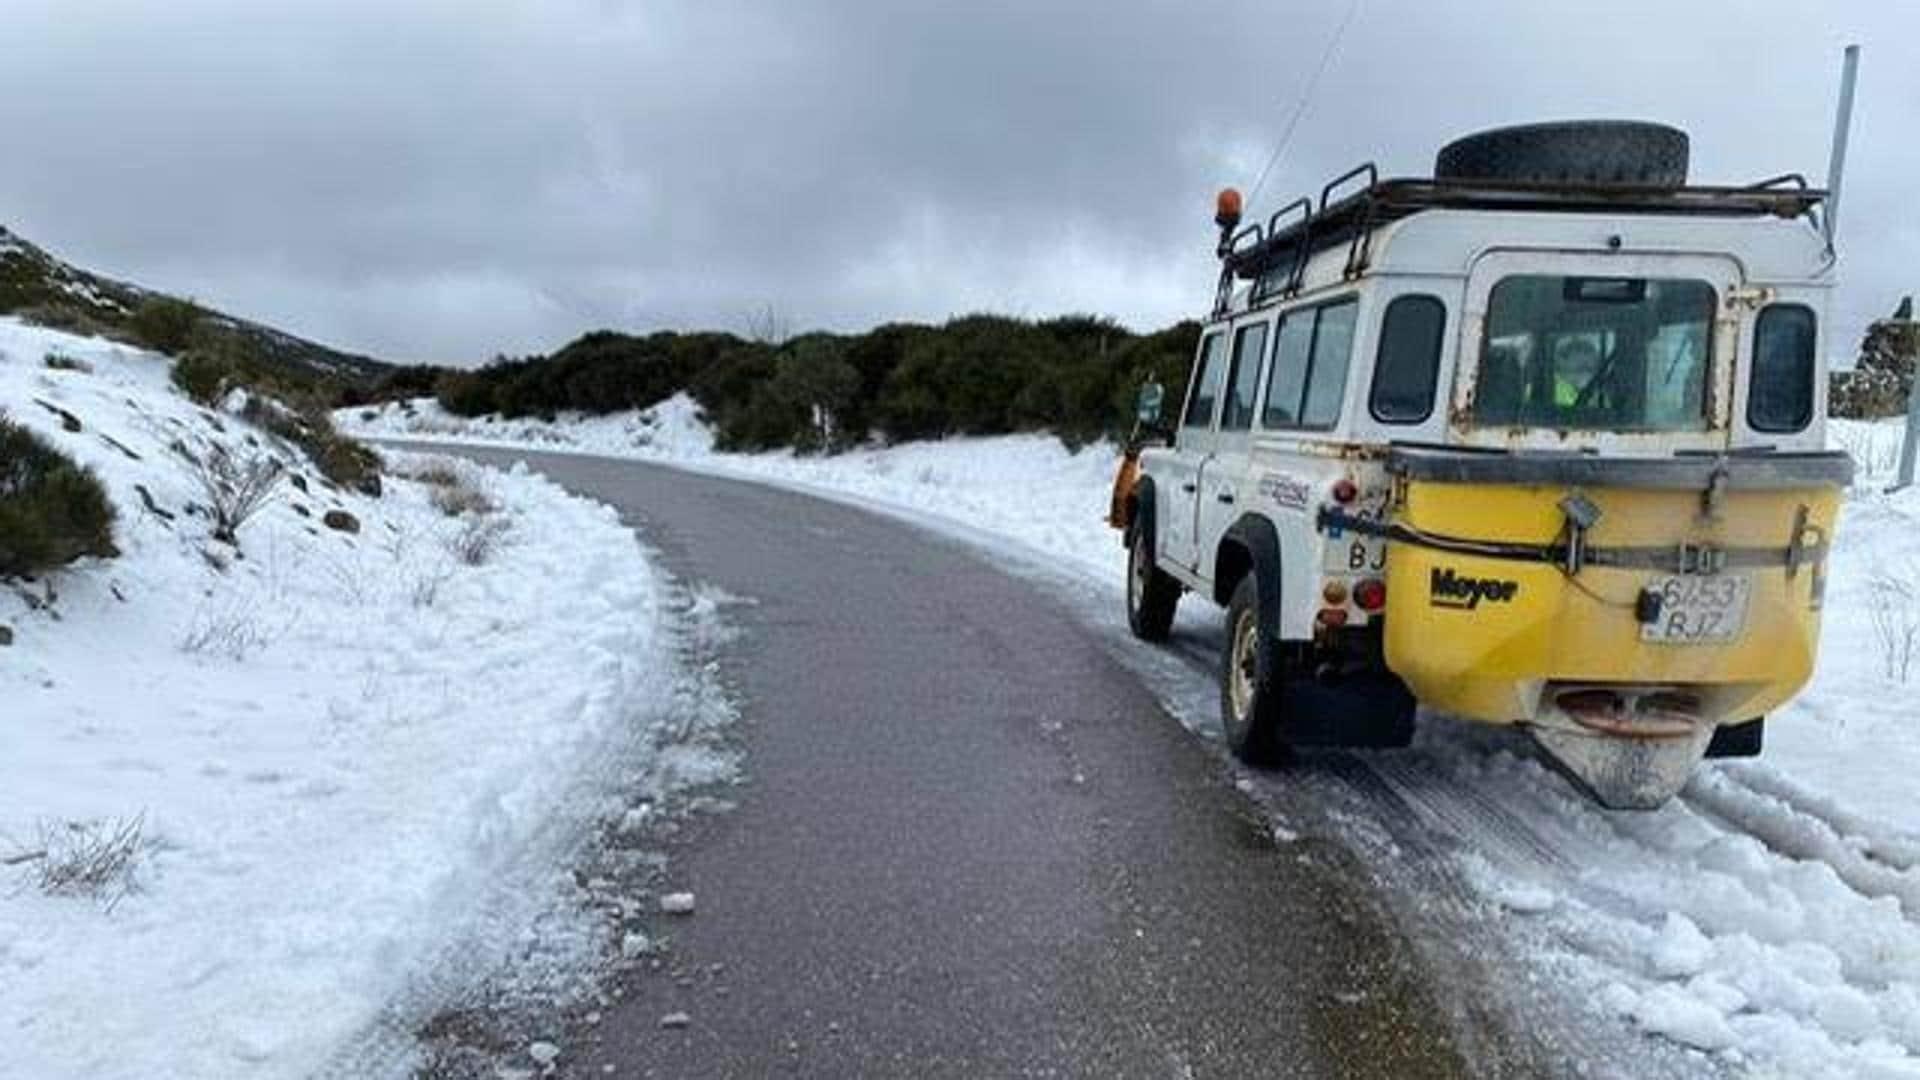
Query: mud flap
x=1625, y=773
x=1374, y=711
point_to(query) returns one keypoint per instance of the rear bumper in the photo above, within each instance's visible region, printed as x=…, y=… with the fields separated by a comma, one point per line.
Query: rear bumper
x=1498, y=636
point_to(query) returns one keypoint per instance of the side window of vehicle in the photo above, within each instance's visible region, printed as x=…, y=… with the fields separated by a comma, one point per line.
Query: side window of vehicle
x=1406, y=369
x=1287, y=379
x=1780, y=390
x=1206, y=382
x=1309, y=373
x=1249, y=345
x=1327, y=373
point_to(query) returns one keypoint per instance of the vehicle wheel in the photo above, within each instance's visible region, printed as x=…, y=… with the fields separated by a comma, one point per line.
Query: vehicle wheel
x=1593, y=151
x=1152, y=596
x=1251, y=682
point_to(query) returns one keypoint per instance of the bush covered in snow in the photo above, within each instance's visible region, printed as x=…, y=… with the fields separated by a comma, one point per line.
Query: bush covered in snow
x=52, y=509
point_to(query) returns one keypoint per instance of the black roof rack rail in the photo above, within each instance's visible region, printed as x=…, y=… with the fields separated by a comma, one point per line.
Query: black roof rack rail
x=1275, y=258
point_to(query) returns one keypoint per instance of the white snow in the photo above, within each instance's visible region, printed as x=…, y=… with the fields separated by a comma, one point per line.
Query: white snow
x=338, y=747
x=1768, y=917
x=1029, y=488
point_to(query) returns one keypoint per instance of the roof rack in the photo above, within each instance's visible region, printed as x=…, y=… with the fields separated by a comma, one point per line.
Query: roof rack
x=1274, y=254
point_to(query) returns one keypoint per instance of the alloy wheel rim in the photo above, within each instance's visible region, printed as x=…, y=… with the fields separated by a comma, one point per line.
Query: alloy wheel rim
x=1246, y=638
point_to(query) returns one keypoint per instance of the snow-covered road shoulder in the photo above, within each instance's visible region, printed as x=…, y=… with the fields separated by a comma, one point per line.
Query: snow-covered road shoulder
x=325, y=748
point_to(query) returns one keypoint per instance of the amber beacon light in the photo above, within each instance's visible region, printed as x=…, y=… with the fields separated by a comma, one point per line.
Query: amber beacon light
x=1226, y=208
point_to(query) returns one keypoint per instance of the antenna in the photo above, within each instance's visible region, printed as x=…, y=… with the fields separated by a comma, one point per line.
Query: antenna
x=1842, y=125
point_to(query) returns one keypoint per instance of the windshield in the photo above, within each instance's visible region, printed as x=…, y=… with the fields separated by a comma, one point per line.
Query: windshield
x=1595, y=353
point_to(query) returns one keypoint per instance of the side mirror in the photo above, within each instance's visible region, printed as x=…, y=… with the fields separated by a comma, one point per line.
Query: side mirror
x=1147, y=408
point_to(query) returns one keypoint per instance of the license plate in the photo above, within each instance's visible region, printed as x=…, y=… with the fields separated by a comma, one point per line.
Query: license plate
x=1352, y=554
x=1699, y=610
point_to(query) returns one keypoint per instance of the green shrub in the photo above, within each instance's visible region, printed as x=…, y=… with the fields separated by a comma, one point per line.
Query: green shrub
x=1075, y=376
x=202, y=376
x=464, y=393
x=52, y=510
x=165, y=324
x=72, y=318
x=340, y=458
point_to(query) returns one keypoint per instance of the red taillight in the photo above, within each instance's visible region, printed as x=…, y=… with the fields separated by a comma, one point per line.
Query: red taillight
x=1345, y=491
x=1370, y=594
x=1333, y=616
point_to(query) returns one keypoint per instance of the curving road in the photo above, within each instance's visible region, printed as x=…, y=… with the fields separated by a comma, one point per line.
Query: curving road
x=974, y=844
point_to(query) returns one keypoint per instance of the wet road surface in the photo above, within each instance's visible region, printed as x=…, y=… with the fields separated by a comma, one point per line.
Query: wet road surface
x=972, y=844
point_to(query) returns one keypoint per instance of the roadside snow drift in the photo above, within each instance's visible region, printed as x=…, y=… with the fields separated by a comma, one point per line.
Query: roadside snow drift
x=1767, y=921
x=311, y=757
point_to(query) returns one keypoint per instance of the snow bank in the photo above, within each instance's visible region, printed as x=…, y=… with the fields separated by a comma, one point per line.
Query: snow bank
x=1769, y=918
x=335, y=744
x=1028, y=488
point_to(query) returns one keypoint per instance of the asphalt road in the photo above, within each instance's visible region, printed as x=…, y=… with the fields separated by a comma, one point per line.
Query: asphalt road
x=973, y=844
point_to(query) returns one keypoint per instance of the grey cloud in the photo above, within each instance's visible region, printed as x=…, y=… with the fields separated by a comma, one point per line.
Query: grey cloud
x=447, y=180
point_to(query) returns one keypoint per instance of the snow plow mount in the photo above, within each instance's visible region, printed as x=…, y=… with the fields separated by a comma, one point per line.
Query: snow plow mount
x=1713, y=476
x=1572, y=555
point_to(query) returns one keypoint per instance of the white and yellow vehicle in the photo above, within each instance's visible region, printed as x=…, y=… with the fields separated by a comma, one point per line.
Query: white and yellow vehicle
x=1537, y=442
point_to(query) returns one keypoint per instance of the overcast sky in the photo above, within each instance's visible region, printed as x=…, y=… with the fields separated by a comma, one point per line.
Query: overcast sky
x=443, y=181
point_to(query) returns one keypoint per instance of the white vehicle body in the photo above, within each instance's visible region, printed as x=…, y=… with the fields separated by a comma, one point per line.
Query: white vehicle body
x=1210, y=477
x=1578, y=425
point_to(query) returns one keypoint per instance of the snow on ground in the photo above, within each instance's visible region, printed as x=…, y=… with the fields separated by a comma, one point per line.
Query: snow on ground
x=326, y=749
x=1029, y=488
x=1766, y=920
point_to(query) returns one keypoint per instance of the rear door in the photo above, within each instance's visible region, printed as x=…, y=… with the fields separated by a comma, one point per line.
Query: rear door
x=1627, y=353
x=1179, y=497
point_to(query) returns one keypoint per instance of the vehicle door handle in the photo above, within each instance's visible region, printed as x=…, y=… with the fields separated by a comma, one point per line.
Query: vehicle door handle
x=1189, y=488
x=1225, y=497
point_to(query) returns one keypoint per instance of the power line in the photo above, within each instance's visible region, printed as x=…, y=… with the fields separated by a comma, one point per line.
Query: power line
x=1306, y=97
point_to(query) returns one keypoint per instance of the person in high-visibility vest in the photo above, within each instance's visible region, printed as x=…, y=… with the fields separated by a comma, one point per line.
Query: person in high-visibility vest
x=1576, y=364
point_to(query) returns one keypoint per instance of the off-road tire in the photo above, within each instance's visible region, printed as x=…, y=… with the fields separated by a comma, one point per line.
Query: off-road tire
x=1581, y=151
x=1254, y=725
x=1152, y=596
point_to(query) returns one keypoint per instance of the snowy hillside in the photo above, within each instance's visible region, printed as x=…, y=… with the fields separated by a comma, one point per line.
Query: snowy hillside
x=312, y=770
x=1767, y=919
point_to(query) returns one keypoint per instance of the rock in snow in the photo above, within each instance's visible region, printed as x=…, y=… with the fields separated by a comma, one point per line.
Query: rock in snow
x=675, y=1020
x=543, y=1053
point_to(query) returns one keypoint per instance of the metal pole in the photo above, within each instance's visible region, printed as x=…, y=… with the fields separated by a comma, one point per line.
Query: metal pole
x=1911, y=445
x=1842, y=125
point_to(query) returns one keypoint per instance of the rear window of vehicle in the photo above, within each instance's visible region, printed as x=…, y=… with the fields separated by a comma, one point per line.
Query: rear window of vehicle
x=1206, y=382
x=1596, y=353
x=1780, y=387
x=1308, y=378
x=1406, y=368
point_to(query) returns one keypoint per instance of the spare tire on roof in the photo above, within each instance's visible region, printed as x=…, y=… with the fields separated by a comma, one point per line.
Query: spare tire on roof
x=1580, y=151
